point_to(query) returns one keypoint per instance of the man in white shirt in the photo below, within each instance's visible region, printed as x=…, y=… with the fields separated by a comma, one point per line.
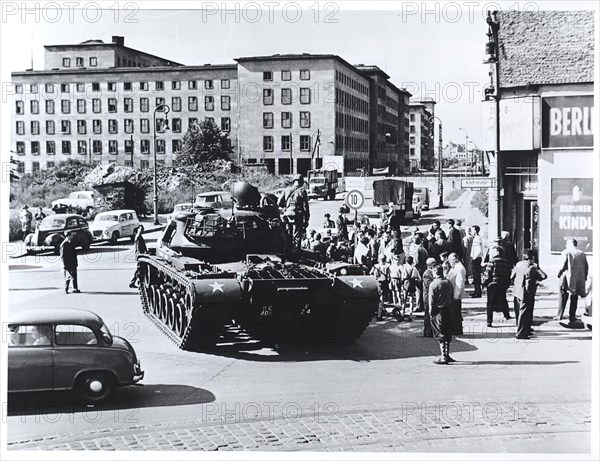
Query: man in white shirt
x=457, y=277
x=477, y=249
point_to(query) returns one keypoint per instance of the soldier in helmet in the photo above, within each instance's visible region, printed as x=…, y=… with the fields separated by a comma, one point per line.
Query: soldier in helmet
x=294, y=202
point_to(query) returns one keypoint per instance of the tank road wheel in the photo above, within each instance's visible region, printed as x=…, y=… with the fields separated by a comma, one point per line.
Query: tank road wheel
x=171, y=313
x=181, y=319
x=155, y=300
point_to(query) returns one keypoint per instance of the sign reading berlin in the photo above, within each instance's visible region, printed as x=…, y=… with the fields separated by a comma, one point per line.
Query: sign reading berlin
x=567, y=121
x=572, y=213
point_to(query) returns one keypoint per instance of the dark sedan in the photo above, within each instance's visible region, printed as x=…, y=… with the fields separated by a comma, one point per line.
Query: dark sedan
x=51, y=232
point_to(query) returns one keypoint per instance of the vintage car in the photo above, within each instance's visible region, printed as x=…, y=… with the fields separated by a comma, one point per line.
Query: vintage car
x=219, y=199
x=81, y=200
x=112, y=225
x=51, y=232
x=68, y=349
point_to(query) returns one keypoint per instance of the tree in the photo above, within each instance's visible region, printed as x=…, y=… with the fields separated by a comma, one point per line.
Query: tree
x=202, y=143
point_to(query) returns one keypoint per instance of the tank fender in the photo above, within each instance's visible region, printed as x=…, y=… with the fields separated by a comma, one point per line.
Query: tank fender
x=355, y=286
x=217, y=290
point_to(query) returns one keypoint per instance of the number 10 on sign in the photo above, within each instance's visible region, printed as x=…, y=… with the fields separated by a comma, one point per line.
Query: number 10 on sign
x=355, y=199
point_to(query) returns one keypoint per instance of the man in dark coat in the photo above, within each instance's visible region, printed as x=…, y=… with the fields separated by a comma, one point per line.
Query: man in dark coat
x=68, y=255
x=440, y=303
x=508, y=248
x=526, y=275
x=428, y=277
x=455, y=239
x=296, y=213
x=497, y=281
x=573, y=275
x=139, y=248
x=440, y=246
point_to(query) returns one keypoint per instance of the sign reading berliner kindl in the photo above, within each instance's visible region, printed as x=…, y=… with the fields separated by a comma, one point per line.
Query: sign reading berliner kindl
x=572, y=213
x=567, y=121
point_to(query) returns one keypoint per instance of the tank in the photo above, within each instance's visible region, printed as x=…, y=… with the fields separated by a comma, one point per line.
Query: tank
x=222, y=267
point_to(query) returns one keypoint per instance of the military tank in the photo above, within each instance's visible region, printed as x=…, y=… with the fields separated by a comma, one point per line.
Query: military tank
x=220, y=267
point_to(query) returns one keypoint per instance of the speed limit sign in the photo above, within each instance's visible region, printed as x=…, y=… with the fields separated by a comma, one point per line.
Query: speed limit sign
x=355, y=199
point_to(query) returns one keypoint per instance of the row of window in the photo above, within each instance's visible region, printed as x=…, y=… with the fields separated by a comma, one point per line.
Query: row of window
x=113, y=126
x=35, y=166
x=350, y=144
x=352, y=83
x=286, y=75
x=97, y=147
x=351, y=102
x=286, y=120
x=159, y=85
x=286, y=143
x=286, y=96
x=128, y=105
x=80, y=61
x=349, y=122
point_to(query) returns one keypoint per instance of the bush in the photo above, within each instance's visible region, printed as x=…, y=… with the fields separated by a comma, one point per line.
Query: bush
x=480, y=201
x=14, y=229
x=454, y=194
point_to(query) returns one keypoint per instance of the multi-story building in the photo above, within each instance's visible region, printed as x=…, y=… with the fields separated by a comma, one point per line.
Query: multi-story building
x=421, y=146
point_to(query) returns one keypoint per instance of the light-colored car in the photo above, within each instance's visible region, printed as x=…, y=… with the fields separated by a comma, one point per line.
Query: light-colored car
x=113, y=225
x=68, y=349
x=81, y=200
x=218, y=199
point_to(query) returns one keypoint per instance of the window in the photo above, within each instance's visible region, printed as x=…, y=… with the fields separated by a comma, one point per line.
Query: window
x=30, y=335
x=412, y=128
x=66, y=62
x=96, y=106
x=75, y=335
x=66, y=147
x=160, y=146
x=267, y=119
x=127, y=86
x=268, y=143
x=192, y=122
x=267, y=76
x=97, y=126
x=95, y=86
x=35, y=127
x=19, y=88
x=159, y=86
x=208, y=84
x=65, y=106
x=49, y=164
x=160, y=102
x=176, y=125
x=20, y=107
x=81, y=127
x=176, y=104
x=35, y=148
x=20, y=147
x=49, y=126
x=192, y=84
x=305, y=144
x=97, y=147
x=412, y=151
x=145, y=125
x=267, y=96
x=305, y=74
x=64, y=87
x=304, y=119
x=112, y=105
x=93, y=62
x=225, y=124
x=113, y=147
x=412, y=117
x=112, y=126
x=34, y=106
x=286, y=96
x=33, y=88
x=50, y=148
x=79, y=62
x=286, y=142
x=412, y=139
x=286, y=120
x=49, y=87
x=144, y=164
x=129, y=149
x=209, y=103
x=286, y=75
x=128, y=105
x=20, y=127
x=193, y=103
x=65, y=127
x=209, y=119
x=304, y=95
x=160, y=125
x=49, y=107
x=176, y=145
x=176, y=85
x=81, y=106
x=143, y=86
x=128, y=125
x=144, y=105
x=35, y=167
x=225, y=102
x=145, y=146
x=82, y=147
x=225, y=84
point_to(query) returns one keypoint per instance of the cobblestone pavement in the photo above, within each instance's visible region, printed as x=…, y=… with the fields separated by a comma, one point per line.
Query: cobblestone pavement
x=449, y=426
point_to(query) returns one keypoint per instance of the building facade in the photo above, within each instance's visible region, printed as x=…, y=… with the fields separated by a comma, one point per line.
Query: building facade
x=421, y=141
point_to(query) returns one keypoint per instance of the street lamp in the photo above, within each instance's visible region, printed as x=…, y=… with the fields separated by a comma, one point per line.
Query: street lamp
x=466, y=147
x=167, y=109
x=440, y=172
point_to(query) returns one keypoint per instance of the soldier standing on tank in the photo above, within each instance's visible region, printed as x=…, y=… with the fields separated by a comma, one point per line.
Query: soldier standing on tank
x=296, y=214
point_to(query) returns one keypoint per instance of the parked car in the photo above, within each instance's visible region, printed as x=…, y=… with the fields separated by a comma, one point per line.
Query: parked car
x=112, y=225
x=219, y=199
x=51, y=233
x=82, y=201
x=68, y=349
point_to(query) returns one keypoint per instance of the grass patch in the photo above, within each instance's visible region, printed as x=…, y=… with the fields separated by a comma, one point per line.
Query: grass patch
x=454, y=194
x=480, y=201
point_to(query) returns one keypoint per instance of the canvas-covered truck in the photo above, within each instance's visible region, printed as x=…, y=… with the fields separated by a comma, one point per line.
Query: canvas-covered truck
x=322, y=184
x=397, y=192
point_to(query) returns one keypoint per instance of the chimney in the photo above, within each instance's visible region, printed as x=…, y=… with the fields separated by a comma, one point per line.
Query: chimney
x=118, y=40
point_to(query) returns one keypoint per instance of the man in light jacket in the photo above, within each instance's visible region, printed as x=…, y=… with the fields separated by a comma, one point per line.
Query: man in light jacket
x=573, y=275
x=457, y=276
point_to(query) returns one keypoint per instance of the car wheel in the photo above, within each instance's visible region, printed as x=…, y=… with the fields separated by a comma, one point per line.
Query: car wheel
x=114, y=237
x=95, y=387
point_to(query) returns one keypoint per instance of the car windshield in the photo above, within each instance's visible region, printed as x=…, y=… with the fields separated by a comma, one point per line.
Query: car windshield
x=52, y=222
x=317, y=180
x=108, y=217
x=184, y=207
x=206, y=199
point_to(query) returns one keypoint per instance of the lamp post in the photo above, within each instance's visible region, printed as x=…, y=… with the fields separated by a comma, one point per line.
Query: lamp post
x=466, y=148
x=167, y=109
x=440, y=171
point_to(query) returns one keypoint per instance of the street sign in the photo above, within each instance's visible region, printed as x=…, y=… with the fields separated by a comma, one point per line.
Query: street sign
x=355, y=199
x=476, y=183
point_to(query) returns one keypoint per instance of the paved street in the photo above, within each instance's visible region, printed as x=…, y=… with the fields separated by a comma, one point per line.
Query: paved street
x=382, y=393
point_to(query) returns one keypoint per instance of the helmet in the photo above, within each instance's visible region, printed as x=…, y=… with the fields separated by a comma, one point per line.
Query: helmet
x=299, y=178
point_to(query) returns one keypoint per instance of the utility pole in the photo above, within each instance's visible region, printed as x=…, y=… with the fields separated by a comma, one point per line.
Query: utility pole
x=440, y=166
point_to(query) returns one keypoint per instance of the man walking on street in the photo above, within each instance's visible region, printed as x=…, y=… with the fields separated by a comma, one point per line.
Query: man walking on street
x=573, y=275
x=440, y=303
x=526, y=275
x=477, y=248
x=139, y=247
x=68, y=255
x=497, y=281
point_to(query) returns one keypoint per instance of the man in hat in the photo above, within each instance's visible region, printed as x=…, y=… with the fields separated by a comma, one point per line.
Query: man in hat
x=296, y=214
x=26, y=219
x=328, y=223
x=68, y=255
x=139, y=247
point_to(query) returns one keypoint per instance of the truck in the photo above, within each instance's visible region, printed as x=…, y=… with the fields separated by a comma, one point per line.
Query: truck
x=397, y=192
x=322, y=184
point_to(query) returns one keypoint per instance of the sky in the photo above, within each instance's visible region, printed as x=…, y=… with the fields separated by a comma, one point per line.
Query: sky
x=434, y=50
